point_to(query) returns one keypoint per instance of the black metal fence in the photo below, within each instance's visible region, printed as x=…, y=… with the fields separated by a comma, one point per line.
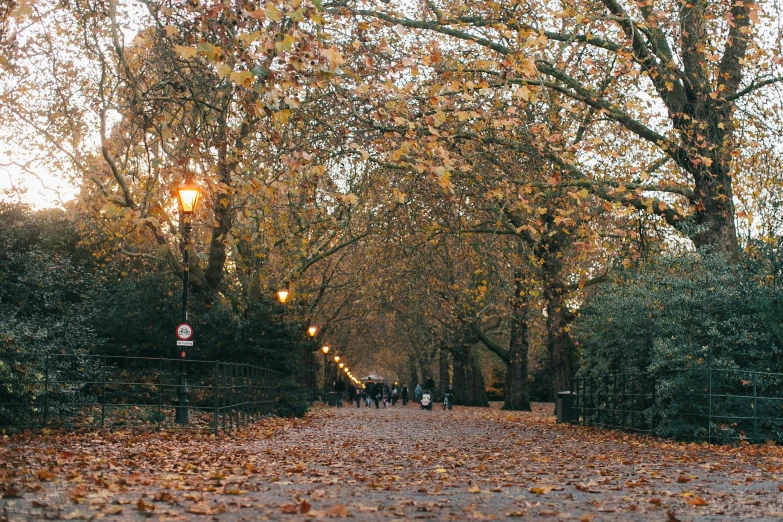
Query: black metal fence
x=102, y=391
x=695, y=404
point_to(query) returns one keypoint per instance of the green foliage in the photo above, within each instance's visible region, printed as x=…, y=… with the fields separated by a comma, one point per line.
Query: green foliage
x=695, y=310
x=43, y=280
x=54, y=298
x=697, y=326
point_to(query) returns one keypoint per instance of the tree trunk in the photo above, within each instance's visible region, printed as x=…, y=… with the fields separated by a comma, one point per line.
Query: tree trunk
x=517, y=384
x=469, y=387
x=413, y=366
x=444, y=377
x=562, y=349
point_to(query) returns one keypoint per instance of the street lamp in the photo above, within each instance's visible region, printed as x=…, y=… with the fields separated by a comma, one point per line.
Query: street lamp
x=312, y=331
x=336, y=358
x=282, y=294
x=325, y=350
x=341, y=365
x=188, y=195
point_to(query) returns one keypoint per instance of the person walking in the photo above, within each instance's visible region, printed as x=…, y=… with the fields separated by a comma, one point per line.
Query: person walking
x=358, y=394
x=448, y=397
x=395, y=393
x=429, y=384
x=417, y=393
x=339, y=387
x=404, y=394
x=385, y=394
x=350, y=391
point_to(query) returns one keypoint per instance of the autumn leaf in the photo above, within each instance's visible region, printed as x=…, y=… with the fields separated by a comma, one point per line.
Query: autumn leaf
x=338, y=510
x=186, y=52
x=44, y=475
x=290, y=509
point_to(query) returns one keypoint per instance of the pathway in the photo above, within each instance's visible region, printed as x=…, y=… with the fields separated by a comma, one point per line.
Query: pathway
x=369, y=464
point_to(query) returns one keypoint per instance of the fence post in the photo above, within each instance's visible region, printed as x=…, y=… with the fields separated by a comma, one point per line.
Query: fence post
x=46, y=390
x=709, y=417
x=755, y=404
x=232, y=370
x=624, y=402
x=217, y=394
x=160, y=388
x=223, y=412
x=103, y=392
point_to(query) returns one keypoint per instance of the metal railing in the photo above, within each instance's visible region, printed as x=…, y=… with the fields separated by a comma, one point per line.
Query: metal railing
x=713, y=405
x=104, y=391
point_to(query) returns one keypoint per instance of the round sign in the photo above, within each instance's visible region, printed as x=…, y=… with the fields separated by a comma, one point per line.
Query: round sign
x=184, y=332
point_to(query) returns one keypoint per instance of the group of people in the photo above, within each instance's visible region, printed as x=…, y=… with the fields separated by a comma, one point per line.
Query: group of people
x=381, y=394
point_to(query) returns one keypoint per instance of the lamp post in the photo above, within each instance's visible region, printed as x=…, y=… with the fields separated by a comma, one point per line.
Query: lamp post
x=311, y=331
x=325, y=350
x=188, y=195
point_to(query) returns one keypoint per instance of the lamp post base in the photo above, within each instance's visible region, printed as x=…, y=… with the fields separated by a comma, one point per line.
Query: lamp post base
x=181, y=411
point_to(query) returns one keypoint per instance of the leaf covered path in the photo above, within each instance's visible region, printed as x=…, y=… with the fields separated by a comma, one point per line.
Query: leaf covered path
x=369, y=464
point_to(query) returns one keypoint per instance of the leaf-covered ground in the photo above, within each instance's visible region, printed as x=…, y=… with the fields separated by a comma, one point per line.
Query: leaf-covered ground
x=368, y=464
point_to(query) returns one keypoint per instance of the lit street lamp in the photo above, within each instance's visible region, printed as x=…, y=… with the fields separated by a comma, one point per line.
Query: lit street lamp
x=325, y=350
x=312, y=331
x=283, y=293
x=188, y=195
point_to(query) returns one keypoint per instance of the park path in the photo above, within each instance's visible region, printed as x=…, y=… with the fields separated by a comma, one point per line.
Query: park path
x=397, y=463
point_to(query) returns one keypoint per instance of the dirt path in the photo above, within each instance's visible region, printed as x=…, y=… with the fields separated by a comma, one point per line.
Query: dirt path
x=370, y=464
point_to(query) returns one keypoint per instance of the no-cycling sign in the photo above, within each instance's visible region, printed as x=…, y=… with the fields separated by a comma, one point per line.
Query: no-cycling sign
x=184, y=334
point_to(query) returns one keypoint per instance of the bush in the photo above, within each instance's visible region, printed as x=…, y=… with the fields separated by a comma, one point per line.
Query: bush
x=695, y=324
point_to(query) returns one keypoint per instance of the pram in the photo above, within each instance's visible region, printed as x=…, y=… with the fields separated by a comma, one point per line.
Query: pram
x=426, y=400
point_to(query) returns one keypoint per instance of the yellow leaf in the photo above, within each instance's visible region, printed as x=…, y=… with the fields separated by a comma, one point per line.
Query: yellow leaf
x=243, y=78
x=285, y=44
x=350, y=199
x=474, y=489
x=171, y=31
x=186, y=52
x=333, y=56
x=273, y=13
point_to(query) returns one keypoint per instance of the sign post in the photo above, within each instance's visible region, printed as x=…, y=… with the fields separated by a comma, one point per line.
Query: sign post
x=184, y=338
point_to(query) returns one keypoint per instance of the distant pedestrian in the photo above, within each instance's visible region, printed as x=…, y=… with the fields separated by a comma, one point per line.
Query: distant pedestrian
x=417, y=393
x=386, y=394
x=404, y=394
x=339, y=387
x=357, y=394
x=350, y=390
x=395, y=393
x=429, y=384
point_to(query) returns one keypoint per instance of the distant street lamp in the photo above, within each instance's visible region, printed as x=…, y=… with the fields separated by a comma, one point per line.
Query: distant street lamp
x=336, y=358
x=312, y=331
x=325, y=350
x=283, y=293
x=188, y=195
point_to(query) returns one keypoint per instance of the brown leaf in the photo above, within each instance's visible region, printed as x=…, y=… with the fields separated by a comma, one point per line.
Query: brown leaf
x=143, y=506
x=697, y=501
x=670, y=517
x=12, y=492
x=44, y=475
x=202, y=508
x=290, y=509
x=304, y=507
x=683, y=479
x=338, y=510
